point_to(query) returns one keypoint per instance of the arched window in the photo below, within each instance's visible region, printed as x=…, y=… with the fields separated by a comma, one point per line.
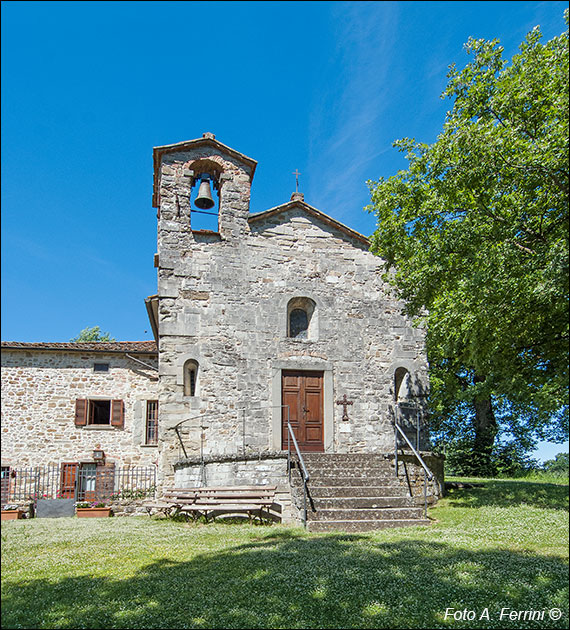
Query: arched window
x=190, y=377
x=402, y=385
x=301, y=318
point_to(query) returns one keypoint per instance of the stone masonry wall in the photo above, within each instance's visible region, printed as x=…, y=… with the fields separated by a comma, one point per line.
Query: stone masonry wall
x=39, y=390
x=223, y=303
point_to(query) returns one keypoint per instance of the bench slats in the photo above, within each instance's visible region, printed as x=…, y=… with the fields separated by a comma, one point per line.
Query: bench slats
x=215, y=500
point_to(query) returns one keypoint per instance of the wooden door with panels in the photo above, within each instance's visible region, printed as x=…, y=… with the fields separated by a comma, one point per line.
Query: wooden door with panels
x=302, y=392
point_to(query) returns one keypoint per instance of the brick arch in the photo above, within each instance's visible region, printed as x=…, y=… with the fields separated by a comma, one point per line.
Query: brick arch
x=206, y=165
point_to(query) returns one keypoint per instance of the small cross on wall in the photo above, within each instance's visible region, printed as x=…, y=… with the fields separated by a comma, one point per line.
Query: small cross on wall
x=345, y=402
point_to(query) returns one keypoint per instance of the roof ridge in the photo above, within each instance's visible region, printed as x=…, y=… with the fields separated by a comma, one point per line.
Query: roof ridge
x=315, y=212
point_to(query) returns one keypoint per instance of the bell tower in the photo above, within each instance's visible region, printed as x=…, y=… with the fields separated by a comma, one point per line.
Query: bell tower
x=193, y=180
x=202, y=177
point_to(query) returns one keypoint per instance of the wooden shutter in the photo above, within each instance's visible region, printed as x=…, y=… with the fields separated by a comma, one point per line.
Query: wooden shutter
x=117, y=413
x=81, y=405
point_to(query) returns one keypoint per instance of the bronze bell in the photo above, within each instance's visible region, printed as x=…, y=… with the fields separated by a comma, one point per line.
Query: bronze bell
x=204, y=199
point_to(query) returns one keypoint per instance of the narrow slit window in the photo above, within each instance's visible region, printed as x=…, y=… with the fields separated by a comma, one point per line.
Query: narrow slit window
x=190, y=377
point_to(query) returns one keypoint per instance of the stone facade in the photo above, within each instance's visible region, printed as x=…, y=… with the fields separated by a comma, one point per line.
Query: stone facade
x=39, y=390
x=225, y=319
x=223, y=303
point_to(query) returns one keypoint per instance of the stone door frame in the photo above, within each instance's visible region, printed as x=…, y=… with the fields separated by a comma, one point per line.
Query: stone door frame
x=302, y=364
x=303, y=391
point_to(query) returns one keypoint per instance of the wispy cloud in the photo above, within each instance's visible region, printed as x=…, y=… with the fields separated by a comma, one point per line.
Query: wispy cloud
x=346, y=130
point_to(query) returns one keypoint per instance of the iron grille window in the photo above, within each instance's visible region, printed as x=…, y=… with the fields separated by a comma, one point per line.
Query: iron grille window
x=100, y=367
x=151, y=433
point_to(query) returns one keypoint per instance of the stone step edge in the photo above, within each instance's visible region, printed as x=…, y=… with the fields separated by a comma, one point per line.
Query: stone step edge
x=367, y=525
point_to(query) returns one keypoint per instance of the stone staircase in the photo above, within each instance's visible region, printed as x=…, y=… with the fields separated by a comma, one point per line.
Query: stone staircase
x=355, y=492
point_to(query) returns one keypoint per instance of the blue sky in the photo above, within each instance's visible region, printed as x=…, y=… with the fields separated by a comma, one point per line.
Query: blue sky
x=88, y=88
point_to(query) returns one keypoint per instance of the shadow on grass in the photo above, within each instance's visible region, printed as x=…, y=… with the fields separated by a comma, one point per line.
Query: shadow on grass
x=509, y=493
x=290, y=581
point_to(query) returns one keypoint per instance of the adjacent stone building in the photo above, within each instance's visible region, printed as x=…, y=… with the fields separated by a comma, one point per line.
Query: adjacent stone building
x=261, y=320
x=62, y=401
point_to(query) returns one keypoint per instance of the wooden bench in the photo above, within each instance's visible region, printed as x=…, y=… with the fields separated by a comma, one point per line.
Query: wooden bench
x=255, y=501
x=171, y=501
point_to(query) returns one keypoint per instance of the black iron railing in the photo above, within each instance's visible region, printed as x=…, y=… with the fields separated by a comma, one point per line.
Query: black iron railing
x=82, y=482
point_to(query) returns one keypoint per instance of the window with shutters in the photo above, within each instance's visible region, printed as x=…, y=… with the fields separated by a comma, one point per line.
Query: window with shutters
x=99, y=413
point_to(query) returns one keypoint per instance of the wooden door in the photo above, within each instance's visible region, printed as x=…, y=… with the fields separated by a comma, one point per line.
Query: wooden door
x=68, y=480
x=303, y=393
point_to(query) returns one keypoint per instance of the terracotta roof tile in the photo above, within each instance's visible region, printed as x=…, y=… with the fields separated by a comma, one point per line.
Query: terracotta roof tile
x=134, y=347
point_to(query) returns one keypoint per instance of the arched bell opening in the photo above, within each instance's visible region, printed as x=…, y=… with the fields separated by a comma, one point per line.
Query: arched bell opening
x=205, y=196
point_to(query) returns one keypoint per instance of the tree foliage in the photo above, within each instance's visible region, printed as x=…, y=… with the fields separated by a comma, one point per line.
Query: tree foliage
x=92, y=334
x=559, y=465
x=475, y=238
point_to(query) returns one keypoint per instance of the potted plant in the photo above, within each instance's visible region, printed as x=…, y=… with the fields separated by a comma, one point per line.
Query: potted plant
x=94, y=509
x=11, y=512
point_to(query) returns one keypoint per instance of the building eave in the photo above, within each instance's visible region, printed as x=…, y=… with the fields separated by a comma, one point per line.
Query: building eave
x=151, y=303
x=95, y=347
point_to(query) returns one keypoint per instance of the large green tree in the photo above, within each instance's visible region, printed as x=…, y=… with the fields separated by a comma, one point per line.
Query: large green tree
x=475, y=238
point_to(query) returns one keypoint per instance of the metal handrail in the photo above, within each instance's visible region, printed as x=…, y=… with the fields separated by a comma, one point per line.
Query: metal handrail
x=427, y=472
x=304, y=472
x=306, y=475
x=418, y=456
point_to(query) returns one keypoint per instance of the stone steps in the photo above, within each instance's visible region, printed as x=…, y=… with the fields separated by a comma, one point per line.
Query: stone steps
x=359, y=503
x=324, y=492
x=356, y=492
x=367, y=514
x=341, y=482
x=348, y=474
x=361, y=525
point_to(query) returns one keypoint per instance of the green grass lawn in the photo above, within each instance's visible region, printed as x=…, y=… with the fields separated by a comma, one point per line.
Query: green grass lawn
x=501, y=546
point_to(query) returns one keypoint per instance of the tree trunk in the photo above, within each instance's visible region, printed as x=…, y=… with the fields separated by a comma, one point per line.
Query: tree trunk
x=485, y=432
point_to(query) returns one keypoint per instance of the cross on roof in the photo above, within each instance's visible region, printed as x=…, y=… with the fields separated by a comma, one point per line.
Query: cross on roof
x=296, y=173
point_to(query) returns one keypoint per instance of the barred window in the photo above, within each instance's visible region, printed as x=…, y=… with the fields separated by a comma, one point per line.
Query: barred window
x=151, y=431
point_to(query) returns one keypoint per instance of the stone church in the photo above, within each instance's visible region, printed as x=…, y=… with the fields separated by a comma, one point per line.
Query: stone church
x=265, y=324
